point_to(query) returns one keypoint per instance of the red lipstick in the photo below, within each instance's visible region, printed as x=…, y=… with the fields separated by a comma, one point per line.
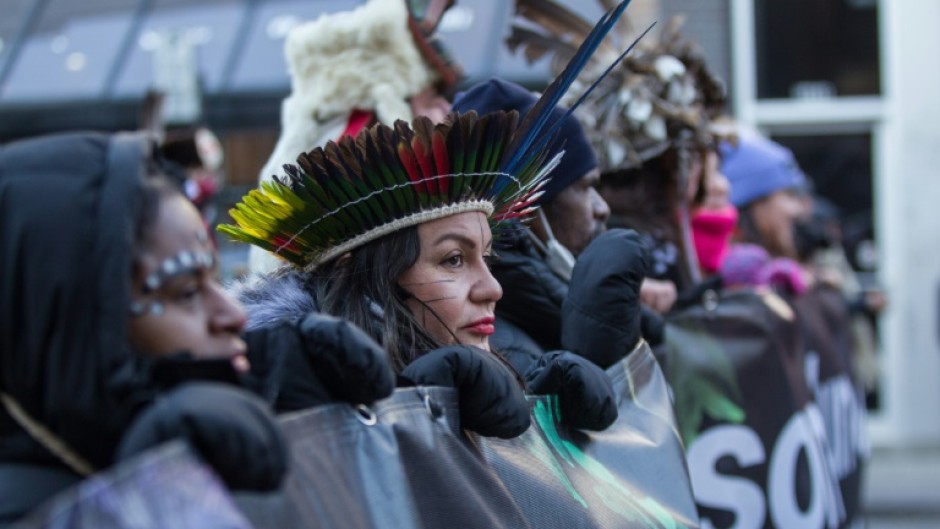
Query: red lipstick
x=484, y=326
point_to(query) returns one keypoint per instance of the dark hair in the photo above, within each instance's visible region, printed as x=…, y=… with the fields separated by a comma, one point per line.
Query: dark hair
x=650, y=200
x=362, y=287
x=156, y=187
x=652, y=196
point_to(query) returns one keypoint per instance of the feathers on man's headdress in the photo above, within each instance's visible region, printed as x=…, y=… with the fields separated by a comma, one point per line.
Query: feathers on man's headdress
x=423, y=19
x=660, y=96
x=356, y=190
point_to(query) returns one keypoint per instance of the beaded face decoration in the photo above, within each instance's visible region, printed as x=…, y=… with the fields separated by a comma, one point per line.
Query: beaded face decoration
x=186, y=262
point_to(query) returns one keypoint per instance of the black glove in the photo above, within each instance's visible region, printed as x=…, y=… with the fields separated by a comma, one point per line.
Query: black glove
x=600, y=318
x=318, y=360
x=492, y=402
x=230, y=428
x=697, y=293
x=652, y=326
x=584, y=391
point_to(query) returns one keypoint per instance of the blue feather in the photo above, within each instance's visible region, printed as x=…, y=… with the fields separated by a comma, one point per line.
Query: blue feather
x=545, y=138
x=532, y=127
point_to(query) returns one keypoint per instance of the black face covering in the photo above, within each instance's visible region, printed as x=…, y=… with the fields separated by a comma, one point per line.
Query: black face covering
x=66, y=240
x=810, y=237
x=170, y=371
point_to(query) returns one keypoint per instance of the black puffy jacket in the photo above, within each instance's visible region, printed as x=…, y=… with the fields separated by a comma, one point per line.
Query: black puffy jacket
x=528, y=317
x=595, y=315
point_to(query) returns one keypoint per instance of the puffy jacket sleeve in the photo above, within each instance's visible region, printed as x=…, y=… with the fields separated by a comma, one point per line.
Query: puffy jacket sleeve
x=601, y=313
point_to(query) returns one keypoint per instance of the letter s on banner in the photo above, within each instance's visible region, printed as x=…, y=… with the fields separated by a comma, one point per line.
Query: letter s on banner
x=738, y=495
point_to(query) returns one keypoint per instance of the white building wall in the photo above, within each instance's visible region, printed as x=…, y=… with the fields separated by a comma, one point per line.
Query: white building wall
x=908, y=220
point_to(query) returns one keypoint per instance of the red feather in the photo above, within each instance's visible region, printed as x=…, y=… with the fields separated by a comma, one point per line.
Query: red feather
x=410, y=164
x=423, y=158
x=442, y=163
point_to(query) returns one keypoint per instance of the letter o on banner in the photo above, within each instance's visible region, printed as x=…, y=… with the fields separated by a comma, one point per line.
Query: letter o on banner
x=781, y=490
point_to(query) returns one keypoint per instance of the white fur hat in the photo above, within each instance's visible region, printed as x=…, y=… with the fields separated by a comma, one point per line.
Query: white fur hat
x=365, y=58
x=361, y=59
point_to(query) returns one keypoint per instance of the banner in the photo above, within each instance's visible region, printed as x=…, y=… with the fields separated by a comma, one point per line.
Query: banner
x=631, y=475
x=164, y=487
x=406, y=464
x=412, y=467
x=826, y=329
x=755, y=444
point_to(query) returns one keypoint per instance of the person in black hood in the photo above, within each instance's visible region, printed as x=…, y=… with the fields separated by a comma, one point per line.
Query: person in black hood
x=553, y=268
x=107, y=275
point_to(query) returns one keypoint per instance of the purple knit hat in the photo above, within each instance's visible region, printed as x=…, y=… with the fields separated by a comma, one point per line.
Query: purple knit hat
x=757, y=167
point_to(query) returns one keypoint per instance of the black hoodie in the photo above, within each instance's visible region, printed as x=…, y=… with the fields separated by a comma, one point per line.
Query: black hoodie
x=66, y=208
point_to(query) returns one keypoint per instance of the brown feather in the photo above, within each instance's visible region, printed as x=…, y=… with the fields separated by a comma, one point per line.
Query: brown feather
x=556, y=19
x=624, y=27
x=535, y=45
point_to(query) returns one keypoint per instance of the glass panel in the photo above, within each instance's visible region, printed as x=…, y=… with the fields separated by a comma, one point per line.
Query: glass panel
x=210, y=27
x=262, y=65
x=14, y=16
x=817, y=48
x=840, y=167
x=471, y=32
x=70, y=53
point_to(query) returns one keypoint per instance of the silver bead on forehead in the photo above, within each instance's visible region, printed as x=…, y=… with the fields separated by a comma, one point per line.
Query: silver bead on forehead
x=181, y=262
x=142, y=308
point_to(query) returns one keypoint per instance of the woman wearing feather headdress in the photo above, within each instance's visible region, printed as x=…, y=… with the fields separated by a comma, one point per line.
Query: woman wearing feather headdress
x=108, y=301
x=392, y=230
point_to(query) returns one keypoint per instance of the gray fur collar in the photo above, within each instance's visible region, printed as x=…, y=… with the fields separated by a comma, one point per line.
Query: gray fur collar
x=273, y=298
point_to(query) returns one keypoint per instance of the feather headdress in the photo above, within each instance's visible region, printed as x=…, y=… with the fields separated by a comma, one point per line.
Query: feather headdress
x=356, y=190
x=660, y=96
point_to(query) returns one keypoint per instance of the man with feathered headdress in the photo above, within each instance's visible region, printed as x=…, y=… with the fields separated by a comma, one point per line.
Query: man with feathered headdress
x=377, y=63
x=653, y=126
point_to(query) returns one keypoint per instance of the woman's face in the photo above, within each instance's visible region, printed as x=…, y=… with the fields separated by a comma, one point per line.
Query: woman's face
x=774, y=217
x=452, y=278
x=177, y=303
x=717, y=188
x=707, y=182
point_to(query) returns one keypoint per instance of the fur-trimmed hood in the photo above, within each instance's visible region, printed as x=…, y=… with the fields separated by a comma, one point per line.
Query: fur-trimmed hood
x=269, y=300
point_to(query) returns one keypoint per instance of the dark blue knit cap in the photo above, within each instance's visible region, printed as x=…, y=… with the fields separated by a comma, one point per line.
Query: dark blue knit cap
x=579, y=157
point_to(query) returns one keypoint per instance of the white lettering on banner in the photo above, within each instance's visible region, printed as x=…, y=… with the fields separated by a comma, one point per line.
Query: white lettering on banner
x=785, y=511
x=844, y=415
x=817, y=426
x=746, y=499
x=731, y=493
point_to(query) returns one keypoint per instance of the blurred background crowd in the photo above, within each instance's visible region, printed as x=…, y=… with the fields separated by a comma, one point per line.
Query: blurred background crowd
x=846, y=85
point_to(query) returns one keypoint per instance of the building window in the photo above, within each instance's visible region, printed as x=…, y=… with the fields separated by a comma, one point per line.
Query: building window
x=816, y=48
